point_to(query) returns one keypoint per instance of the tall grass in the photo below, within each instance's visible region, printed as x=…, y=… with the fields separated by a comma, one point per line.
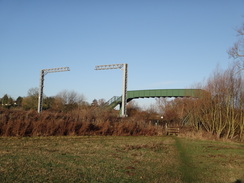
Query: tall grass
x=78, y=122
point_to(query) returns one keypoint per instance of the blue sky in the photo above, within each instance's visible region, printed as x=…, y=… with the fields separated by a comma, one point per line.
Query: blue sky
x=166, y=43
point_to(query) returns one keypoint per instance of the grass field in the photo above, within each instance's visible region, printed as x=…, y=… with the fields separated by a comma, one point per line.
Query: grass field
x=119, y=159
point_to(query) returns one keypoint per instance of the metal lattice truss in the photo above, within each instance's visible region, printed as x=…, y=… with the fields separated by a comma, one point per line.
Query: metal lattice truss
x=123, y=67
x=42, y=74
x=106, y=67
x=60, y=69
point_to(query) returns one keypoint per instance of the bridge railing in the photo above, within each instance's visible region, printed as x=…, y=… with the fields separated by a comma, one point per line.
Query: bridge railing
x=113, y=99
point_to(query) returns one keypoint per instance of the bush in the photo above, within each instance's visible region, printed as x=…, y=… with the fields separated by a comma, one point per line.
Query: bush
x=86, y=121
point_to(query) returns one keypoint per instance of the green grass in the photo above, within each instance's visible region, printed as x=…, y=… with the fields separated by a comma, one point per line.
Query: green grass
x=186, y=166
x=211, y=161
x=119, y=159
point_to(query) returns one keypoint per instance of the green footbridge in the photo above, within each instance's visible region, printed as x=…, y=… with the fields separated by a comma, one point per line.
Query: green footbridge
x=165, y=93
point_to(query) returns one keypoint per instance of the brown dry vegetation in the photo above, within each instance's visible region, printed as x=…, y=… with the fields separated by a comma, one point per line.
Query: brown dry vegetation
x=77, y=122
x=218, y=112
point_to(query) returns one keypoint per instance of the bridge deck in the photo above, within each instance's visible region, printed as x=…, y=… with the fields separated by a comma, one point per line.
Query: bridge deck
x=195, y=93
x=163, y=93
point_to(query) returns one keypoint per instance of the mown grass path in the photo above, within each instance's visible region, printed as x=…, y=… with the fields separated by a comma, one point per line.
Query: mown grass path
x=210, y=161
x=186, y=166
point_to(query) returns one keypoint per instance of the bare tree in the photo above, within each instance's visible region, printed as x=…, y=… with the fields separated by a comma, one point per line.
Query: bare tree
x=101, y=102
x=33, y=92
x=161, y=104
x=70, y=97
x=133, y=108
x=68, y=100
x=221, y=113
x=237, y=50
x=173, y=111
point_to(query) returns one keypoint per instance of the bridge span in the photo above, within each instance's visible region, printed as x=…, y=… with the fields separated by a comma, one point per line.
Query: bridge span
x=165, y=93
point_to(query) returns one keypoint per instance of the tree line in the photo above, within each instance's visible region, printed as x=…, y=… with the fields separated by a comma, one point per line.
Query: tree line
x=63, y=101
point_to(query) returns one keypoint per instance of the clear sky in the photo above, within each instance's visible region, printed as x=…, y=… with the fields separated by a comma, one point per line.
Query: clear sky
x=166, y=43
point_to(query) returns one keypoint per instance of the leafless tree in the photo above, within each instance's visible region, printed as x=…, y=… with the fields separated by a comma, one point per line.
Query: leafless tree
x=70, y=97
x=101, y=102
x=237, y=50
x=161, y=104
x=222, y=112
x=132, y=108
x=219, y=111
x=33, y=92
